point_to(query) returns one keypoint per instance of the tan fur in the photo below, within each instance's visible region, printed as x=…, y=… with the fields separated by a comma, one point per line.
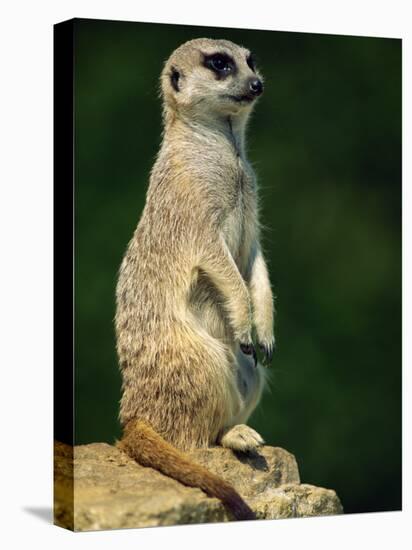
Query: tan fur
x=193, y=281
x=142, y=443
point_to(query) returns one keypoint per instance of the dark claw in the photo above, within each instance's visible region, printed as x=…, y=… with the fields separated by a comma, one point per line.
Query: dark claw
x=249, y=349
x=267, y=352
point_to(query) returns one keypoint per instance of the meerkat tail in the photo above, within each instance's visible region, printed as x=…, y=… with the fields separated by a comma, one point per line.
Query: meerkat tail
x=148, y=448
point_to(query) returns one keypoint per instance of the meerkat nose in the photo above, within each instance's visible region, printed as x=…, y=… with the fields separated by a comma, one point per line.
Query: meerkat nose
x=256, y=86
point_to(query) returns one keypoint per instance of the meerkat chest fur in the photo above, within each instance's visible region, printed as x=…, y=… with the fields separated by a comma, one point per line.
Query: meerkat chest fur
x=240, y=215
x=223, y=181
x=240, y=221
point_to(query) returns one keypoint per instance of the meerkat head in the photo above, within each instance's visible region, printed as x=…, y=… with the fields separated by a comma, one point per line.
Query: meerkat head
x=206, y=78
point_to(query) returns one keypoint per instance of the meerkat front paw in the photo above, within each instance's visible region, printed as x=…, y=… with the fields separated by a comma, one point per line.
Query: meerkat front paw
x=241, y=438
x=267, y=348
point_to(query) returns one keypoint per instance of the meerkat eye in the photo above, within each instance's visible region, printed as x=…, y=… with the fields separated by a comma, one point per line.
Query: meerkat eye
x=219, y=63
x=251, y=61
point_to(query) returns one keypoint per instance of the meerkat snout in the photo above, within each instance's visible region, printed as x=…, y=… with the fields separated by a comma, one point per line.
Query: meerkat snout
x=256, y=87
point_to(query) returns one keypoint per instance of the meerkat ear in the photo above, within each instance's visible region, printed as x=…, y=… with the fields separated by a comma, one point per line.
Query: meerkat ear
x=174, y=79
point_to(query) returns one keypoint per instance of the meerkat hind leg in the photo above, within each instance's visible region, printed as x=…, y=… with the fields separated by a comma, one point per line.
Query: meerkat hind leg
x=241, y=438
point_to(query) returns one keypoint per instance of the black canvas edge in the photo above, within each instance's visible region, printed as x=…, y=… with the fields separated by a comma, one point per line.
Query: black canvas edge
x=63, y=271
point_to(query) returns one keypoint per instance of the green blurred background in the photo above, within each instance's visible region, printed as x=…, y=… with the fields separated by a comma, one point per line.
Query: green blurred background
x=325, y=140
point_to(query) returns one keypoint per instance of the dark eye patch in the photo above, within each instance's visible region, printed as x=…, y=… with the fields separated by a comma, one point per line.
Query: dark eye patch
x=251, y=61
x=221, y=64
x=174, y=79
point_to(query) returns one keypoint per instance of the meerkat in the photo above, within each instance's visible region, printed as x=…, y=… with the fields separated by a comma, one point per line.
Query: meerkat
x=193, y=282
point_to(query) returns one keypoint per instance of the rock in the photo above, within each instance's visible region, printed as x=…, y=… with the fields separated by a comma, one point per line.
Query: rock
x=112, y=491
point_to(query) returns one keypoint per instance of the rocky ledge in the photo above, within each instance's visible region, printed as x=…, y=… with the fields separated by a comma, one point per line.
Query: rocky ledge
x=111, y=491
